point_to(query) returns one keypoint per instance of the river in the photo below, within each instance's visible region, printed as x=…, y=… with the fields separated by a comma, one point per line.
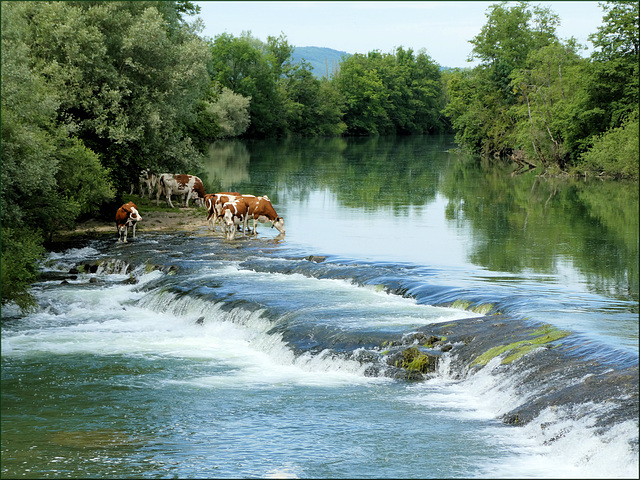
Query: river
x=186, y=355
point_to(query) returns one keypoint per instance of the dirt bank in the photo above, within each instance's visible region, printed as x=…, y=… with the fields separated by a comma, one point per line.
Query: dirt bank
x=183, y=219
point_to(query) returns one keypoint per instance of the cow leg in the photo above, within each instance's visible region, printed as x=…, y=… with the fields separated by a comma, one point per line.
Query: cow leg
x=169, y=200
x=245, y=225
x=133, y=231
x=231, y=231
x=211, y=219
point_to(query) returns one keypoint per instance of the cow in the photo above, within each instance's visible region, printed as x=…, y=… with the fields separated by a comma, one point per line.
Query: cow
x=234, y=214
x=260, y=209
x=147, y=180
x=188, y=186
x=213, y=202
x=126, y=217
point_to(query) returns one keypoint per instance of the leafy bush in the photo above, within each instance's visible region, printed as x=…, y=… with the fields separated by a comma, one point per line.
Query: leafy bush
x=615, y=152
x=21, y=250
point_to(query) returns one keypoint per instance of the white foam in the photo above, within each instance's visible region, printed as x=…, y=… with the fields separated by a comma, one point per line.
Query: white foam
x=553, y=445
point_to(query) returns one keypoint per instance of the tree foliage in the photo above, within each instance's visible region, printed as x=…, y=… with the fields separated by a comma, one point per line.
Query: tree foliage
x=615, y=152
x=91, y=92
x=535, y=100
x=286, y=99
x=386, y=94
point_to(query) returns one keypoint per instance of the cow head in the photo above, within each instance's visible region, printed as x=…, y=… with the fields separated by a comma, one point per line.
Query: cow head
x=279, y=224
x=134, y=216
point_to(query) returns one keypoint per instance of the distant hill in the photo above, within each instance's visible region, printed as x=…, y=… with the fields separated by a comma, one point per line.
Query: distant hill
x=324, y=61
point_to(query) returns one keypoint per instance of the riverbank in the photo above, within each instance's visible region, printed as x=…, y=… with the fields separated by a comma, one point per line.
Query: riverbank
x=179, y=219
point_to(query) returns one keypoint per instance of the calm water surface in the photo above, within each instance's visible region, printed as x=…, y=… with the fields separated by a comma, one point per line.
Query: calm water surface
x=247, y=360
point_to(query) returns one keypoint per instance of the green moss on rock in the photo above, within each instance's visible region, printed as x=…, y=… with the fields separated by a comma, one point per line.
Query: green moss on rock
x=542, y=336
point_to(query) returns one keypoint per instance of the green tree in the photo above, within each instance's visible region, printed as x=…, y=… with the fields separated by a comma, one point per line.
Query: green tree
x=365, y=95
x=615, y=152
x=544, y=115
x=286, y=99
x=128, y=79
x=48, y=177
x=486, y=107
x=607, y=119
x=314, y=106
x=91, y=92
x=231, y=112
x=390, y=93
x=241, y=64
x=613, y=85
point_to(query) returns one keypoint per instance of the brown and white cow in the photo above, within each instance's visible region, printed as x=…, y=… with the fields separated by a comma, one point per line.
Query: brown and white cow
x=261, y=209
x=188, y=186
x=147, y=181
x=126, y=217
x=213, y=202
x=234, y=214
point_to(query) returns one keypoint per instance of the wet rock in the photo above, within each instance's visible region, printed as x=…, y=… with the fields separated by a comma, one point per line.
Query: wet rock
x=316, y=258
x=423, y=339
x=168, y=269
x=108, y=266
x=511, y=419
x=413, y=362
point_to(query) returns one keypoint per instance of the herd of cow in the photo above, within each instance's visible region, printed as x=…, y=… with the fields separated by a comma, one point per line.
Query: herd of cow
x=231, y=209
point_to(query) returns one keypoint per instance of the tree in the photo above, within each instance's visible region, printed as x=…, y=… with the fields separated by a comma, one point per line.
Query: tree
x=390, y=93
x=48, y=177
x=615, y=152
x=314, y=106
x=91, y=92
x=241, y=65
x=231, y=112
x=544, y=115
x=613, y=84
x=482, y=101
x=128, y=79
x=608, y=108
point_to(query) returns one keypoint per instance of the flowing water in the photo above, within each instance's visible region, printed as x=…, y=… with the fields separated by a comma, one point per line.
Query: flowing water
x=185, y=355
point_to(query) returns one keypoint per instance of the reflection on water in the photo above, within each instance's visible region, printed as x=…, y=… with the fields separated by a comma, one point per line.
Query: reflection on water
x=227, y=164
x=416, y=198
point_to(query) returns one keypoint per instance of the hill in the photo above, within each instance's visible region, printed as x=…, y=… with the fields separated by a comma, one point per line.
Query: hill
x=324, y=61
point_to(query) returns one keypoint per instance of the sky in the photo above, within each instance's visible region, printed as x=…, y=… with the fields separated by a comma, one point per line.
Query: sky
x=442, y=28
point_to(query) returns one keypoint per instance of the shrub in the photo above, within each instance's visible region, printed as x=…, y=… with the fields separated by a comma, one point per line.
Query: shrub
x=21, y=250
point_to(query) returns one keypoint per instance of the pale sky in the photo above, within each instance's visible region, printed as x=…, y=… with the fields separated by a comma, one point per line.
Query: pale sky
x=442, y=28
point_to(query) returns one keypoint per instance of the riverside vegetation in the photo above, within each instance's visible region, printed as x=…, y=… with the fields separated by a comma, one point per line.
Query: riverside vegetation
x=94, y=92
